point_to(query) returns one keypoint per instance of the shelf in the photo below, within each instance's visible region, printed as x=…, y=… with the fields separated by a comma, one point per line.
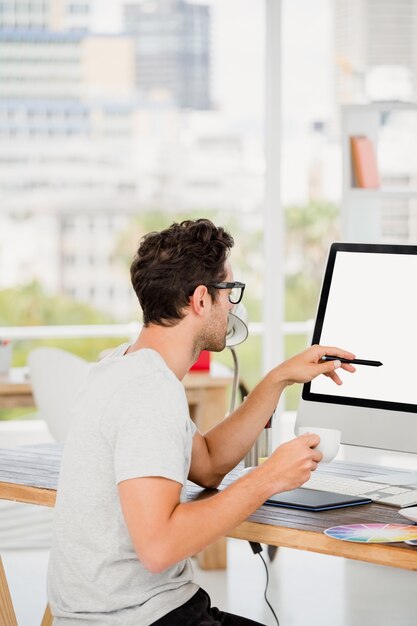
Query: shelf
x=382, y=106
x=361, y=207
x=384, y=192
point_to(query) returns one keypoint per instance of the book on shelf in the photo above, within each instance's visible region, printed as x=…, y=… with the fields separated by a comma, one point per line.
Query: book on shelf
x=364, y=163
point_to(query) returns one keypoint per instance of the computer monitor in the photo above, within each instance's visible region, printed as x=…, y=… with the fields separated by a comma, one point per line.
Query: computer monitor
x=368, y=305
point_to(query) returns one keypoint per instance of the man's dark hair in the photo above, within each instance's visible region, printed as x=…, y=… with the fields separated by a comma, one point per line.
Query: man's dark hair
x=170, y=264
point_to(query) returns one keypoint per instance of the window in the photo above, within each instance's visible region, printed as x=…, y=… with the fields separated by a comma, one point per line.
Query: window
x=182, y=120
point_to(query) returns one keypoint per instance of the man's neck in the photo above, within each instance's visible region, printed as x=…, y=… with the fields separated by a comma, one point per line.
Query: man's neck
x=173, y=343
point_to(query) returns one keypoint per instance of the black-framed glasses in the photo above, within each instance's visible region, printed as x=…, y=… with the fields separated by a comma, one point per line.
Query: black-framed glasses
x=236, y=290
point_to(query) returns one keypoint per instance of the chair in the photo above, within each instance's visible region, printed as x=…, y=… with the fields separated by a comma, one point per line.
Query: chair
x=56, y=377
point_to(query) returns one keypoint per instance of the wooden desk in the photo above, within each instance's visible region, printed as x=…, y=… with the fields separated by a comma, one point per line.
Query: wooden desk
x=303, y=530
x=15, y=389
x=30, y=474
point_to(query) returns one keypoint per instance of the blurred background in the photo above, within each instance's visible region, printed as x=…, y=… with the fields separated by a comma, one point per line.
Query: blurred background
x=120, y=117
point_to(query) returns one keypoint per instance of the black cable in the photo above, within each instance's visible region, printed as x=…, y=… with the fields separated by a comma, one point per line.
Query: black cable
x=243, y=390
x=257, y=549
x=266, y=589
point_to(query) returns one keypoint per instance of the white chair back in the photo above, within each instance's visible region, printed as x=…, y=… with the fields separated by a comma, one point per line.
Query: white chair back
x=56, y=378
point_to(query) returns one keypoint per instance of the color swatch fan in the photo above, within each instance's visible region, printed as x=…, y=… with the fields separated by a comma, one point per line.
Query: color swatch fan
x=373, y=533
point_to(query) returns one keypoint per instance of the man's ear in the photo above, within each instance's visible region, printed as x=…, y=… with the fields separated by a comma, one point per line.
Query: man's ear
x=199, y=299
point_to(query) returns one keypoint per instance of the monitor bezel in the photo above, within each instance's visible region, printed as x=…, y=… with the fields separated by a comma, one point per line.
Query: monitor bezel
x=307, y=394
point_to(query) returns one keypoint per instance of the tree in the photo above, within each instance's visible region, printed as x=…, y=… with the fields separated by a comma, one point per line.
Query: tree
x=29, y=305
x=310, y=229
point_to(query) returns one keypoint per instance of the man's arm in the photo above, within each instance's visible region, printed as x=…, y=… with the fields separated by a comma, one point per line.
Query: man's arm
x=220, y=449
x=165, y=531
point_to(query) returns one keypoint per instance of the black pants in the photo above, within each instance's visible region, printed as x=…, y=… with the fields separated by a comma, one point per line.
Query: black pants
x=199, y=612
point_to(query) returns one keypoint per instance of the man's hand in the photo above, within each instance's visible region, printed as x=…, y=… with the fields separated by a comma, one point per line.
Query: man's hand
x=306, y=366
x=291, y=464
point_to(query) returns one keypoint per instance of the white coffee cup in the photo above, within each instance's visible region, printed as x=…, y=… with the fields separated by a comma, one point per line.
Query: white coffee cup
x=329, y=440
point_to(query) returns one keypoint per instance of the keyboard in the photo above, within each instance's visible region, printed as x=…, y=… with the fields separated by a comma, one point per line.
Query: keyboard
x=377, y=492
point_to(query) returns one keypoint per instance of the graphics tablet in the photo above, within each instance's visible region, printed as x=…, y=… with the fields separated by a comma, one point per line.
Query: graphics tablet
x=314, y=500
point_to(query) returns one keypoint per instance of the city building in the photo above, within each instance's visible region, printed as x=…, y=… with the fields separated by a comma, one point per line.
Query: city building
x=84, y=150
x=78, y=173
x=46, y=14
x=40, y=63
x=75, y=174
x=376, y=50
x=172, y=51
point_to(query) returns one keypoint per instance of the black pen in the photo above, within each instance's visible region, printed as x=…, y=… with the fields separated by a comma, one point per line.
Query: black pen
x=353, y=361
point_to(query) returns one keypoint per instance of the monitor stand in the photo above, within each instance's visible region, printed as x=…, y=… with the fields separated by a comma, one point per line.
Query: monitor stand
x=402, y=479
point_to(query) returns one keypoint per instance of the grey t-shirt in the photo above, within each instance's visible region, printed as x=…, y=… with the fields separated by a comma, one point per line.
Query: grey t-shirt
x=130, y=420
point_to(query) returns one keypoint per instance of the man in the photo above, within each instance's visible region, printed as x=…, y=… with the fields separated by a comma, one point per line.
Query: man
x=123, y=530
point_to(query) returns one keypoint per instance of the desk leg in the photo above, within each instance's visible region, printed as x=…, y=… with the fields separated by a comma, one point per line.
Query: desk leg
x=207, y=408
x=214, y=557
x=272, y=552
x=7, y=614
x=47, y=617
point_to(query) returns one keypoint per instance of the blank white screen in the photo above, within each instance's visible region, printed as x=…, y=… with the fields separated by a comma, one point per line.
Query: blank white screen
x=372, y=312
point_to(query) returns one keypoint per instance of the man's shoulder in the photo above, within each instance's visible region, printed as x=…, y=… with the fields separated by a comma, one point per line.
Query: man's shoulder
x=136, y=376
x=124, y=368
